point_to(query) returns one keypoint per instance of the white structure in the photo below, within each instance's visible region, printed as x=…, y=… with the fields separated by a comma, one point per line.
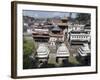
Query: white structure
x=87, y=28
x=41, y=30
x=29, y=31
x=76, y=36
x=62, y=51
x=41, y=34
x=25, y=24
x=42, y=51
x=52, y=41
x=36, y=23
x=75, y=27
x=84, y=50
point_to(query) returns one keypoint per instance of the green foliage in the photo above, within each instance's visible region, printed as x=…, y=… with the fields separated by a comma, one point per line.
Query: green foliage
x=28, y=49
x=27, y=64
x=83, y=17
x=73, y=60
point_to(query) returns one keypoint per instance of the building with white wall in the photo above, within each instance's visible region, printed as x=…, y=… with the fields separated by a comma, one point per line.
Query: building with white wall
x=41, y=34
x=77, y=37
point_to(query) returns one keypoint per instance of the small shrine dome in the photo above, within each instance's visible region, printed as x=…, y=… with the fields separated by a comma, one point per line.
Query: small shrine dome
x=84, y=50
x=42, y=48
x=85, y=47
x=42, y=51
x=63, y=50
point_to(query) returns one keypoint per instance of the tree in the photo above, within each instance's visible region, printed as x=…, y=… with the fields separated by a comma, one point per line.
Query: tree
x=28, y=49
x=83, y=17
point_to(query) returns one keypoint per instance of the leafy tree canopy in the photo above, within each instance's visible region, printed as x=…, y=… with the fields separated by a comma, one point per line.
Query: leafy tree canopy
x=28, y=47
x=83, y=17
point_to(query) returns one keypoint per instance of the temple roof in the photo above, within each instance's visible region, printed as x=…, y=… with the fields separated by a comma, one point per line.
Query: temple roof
x=56, y=28
x=64, y=18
